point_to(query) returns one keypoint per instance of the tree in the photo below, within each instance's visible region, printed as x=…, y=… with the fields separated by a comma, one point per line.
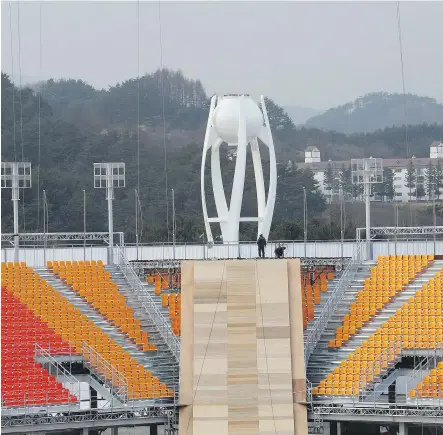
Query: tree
x=330, y=181
x=420, y=191
x=410, y=178
x=438, y=171
x=386, y=189
x=430, y=180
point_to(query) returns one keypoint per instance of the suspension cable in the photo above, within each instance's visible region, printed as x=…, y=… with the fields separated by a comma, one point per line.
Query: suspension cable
x=39, y=117
x=163, y=115
x=138, y=96
x=21, y=108
x=14, y=135
x=400, y=42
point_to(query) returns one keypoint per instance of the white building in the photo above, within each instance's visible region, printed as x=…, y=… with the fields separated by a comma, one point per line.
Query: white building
x=398, y=166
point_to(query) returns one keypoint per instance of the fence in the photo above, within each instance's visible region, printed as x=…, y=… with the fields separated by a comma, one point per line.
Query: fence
x=320, y=324
x=107, y=373
x=57, y=369
x=36, y=256
x=162, y=324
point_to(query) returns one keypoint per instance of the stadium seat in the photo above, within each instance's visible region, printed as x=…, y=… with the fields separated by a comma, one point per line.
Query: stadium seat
x=312, y=285
x=24, y=382
x=417, y=325
x=75, y=328
x=93, y=283
x=388, y=278
x=431, y=386
x=165, y=286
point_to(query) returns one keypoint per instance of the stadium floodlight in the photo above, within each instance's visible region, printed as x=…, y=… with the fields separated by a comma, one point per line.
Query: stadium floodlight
x=367, y=172
x=109, y=176
x=16, y=176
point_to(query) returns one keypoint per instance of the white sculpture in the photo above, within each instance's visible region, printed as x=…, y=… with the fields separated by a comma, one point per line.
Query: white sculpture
x=238, y=121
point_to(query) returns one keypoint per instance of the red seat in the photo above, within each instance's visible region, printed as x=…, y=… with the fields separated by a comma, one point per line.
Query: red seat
x=24, y=382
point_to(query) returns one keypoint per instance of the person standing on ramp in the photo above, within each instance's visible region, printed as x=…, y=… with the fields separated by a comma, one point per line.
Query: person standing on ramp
x=261, y=243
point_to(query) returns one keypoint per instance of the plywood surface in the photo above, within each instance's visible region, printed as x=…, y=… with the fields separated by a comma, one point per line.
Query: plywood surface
x=241, y=374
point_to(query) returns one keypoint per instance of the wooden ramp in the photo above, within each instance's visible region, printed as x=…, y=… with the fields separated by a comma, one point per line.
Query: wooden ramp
x=241, y=357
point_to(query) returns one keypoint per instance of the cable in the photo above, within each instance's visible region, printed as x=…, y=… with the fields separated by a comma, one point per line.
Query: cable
x=209, y=339
x=138, y=97
x=39, y=118
x=403, y=77
x=266, y=351
x=163, y=115
x=14, y=138
x=21, y=108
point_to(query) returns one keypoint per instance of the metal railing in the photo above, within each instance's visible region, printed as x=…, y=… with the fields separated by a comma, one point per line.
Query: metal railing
x=422, y=368
x=316, y=251
x=106, y=372
x=375, y=371
x=57, y=369
x=320, y=324
x=162, y=324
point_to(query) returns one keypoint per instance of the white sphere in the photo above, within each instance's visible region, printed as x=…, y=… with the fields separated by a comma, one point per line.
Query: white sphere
x=226, y=117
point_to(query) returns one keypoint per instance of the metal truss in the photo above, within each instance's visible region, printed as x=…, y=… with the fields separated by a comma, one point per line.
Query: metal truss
x=380, y=412
x=305, y=261
x=401, y=231
x=92, y=418
x=52, y=237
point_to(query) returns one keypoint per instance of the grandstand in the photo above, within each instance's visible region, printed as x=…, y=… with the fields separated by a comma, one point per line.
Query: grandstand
x=92, y=344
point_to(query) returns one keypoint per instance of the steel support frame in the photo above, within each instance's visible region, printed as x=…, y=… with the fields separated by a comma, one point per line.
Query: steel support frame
x=383, y=412
x=401, y=231
x=103, y=418
x=169, y=264
x=52, y=237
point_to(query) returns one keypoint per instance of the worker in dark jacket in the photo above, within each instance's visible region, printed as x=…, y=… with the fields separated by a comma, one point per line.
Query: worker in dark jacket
x=261, y=243
x=280, y=251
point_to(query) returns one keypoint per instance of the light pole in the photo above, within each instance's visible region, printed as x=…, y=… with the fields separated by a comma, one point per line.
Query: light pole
x=15, y=176
x=109, y=176
x=367, y=172
x=434, y=216
x=173, y=223
x=45, y=224
x=136, y=222
x=84, y=225
x=342, y=232
x=305, y=220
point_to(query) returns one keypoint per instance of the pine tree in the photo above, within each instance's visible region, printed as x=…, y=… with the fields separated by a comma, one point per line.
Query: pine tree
x=438, y=171
x=329, y=180
x=410, y=179
x=430, y=180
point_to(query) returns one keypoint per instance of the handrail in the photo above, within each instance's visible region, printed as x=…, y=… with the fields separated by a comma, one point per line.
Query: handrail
x=106, y=372
x=163, y=325
x=376, y=370
x=319, y=325
x=417, y=372
x=59, y=369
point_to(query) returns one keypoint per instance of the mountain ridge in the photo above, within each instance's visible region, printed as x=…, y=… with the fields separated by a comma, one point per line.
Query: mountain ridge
x=378, y=110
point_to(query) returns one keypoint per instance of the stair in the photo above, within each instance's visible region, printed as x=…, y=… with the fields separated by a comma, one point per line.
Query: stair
x=339, y=310
x=158, y=362
x=324, y=360
x=166, y=359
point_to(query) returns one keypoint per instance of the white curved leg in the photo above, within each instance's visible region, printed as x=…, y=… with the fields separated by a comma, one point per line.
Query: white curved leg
x=259, y=182
x=217, y=187
x=206, y=146
x=239, y=181
x=267, y=139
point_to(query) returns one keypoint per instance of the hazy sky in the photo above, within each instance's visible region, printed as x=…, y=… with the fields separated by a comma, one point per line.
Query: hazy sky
x=313, y=54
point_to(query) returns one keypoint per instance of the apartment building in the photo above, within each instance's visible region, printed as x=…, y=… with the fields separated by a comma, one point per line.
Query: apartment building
x=398, y=166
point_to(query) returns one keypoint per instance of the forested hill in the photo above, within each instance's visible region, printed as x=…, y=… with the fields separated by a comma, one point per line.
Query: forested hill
x=67, y=153
x=80, y=125
x=377, y=111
